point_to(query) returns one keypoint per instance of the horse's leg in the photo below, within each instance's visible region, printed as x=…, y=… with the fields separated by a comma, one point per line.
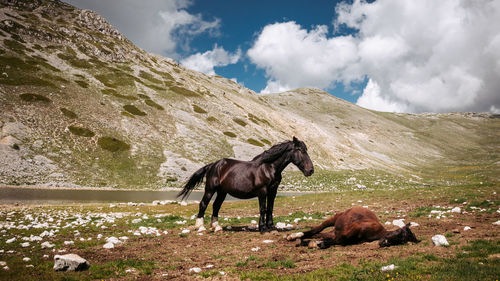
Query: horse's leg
x=216, y=207
x=271, y=195
x=262, y=209
x=203, y=206
x=315, y=230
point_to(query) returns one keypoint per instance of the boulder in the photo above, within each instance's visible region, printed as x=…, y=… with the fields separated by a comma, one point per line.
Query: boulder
x=70, y=262
x=440, y=240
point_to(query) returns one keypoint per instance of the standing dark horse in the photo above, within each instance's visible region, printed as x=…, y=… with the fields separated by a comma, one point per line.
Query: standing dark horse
x=247, y=179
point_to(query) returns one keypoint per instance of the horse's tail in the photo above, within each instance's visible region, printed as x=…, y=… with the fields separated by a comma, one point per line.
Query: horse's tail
x=194, y=181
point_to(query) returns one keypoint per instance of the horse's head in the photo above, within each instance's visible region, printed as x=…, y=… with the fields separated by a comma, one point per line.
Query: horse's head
x=300, y=158
x=398, y=237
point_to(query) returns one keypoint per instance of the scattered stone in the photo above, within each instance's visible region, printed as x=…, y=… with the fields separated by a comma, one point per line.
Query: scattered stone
x=209, y=266
x=10, y=240
x=69, y=242
x=70, y=262
x=255, y=249
x=195, y=269
x=26, y=259
x=467, y=228
x=25, y=244
x=497, y=222
x=184, y=231
x=399, y=223
x=6, y=268
x=390, y=267
x=439, y=240
x=108, y=245
x=2, y=263
x=456, y=210
x=267, y=241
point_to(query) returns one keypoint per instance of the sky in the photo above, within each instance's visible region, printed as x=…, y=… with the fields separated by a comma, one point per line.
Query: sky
x=386, y=55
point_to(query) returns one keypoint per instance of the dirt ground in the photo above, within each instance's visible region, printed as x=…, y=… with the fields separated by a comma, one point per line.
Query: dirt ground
x=231, y=252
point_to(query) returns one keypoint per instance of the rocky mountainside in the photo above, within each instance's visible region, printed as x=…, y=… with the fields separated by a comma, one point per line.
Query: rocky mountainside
x=81, y=105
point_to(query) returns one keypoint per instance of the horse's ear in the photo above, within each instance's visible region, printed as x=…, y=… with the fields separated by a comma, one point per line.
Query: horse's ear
x=408, y=225
x=295, y=140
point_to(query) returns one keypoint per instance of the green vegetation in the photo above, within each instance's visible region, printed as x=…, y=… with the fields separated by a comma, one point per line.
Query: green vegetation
x=114, y=93
x=34, y=98
x=255, y=142
x=151, y=103
x=211, y=119
x=114, y=78
x=80, y=131
x=149, y=77
x=21, y=72
x=134, y=110
x=266, y=141
x=198, y=109
x=124, y=113
x=183, y=91
x=82, y=83
x=75, y=61
x=230, y=134
x=16, y=46
x=112, y=144
x=239, y=121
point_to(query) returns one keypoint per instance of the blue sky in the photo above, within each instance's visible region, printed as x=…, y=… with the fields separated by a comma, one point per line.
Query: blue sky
x=241, y=21
x=387, y=55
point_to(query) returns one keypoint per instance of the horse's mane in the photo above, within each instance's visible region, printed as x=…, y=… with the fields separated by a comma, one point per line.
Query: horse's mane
x=273, y=153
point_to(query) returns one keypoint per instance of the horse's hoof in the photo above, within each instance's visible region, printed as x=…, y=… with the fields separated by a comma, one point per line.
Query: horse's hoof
x=201, y=228
x=294, y=236
x=313, y=245
x=218, y=228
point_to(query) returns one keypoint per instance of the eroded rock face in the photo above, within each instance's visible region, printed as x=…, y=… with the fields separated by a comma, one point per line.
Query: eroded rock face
x=70, y=262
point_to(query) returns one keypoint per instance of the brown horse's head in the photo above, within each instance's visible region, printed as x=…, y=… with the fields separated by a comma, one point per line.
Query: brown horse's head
x=300, y=158
x=398, y=237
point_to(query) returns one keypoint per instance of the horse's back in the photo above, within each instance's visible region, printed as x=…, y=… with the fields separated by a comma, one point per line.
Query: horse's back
x=355, y=215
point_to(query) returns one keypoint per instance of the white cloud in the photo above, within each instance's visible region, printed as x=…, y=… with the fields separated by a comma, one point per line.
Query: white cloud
x=157, y=26
x=205, y=62
x=294, y=57
x=418, y=55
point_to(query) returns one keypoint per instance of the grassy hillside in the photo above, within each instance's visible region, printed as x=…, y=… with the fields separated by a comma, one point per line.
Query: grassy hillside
x=81, y=105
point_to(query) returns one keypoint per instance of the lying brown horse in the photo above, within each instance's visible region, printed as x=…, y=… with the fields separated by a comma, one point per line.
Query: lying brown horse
x=354, y=226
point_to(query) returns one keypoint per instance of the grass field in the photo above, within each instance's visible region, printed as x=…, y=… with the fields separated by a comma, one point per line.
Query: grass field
x=156, y=245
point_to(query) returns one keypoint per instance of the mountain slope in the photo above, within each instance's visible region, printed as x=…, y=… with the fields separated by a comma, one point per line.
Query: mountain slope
x=80, y=104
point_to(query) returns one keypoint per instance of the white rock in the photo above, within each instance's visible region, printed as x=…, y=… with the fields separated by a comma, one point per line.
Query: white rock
x=194, y=269
x=388, y=267
x=10, y=240
x=2, y=263
x=25, y=244
x=267, y=241
x=184, y=203
x=253, y=222
x=113, y=240
x=184, y=231
x=255, y=249
x=439, y=240
x=497, y=222
x=136, y=220
x=467, y=228
x=70, y=262
x=69, y=242
x=456, y=210
x=209, y=266
x=5, y=268
x=399, y=223
x=108, y=245
x=414, y=224
x=26, y=259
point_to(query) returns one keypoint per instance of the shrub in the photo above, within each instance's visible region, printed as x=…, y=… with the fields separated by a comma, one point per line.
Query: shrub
x=34, y=98
x=80, y=131
x=134, y=110
x=112, y=144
